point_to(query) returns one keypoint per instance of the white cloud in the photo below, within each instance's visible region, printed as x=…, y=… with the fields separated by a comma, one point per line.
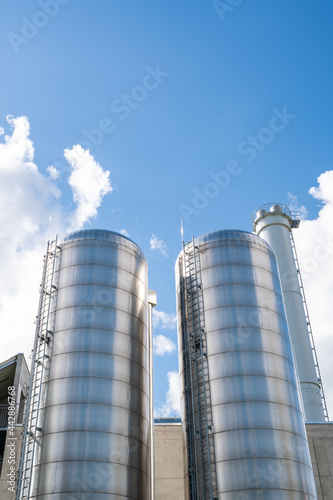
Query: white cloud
x=164, y=320
x=172, y=397
x=53, y=172
x=314, y=243
x=163, y=345
x=124, y=232
x=294, y=206
x=89, y=183
x=157, y=244
x=28, y=200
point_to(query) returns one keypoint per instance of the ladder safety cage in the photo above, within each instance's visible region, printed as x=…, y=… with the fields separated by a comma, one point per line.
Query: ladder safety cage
x=41, y=355
x=307, y=317
x=202, y=475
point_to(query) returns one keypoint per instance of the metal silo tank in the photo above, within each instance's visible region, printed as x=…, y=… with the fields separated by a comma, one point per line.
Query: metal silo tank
x=245, y=432
x=274, y=224
x=95, y=414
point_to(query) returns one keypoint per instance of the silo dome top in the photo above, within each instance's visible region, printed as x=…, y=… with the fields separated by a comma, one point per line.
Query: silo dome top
x=101, y=234
x=260, y=213
x=273, y=209
x=276, y=208
x=229, y=235
x=94, y=234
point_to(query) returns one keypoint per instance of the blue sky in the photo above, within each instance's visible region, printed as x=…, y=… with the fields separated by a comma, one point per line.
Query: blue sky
x=168, y=97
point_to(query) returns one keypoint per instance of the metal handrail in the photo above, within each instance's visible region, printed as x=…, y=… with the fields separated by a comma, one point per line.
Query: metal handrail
x=267, y=207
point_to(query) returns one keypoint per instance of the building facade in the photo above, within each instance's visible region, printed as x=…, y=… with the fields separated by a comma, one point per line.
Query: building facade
x=14, y=383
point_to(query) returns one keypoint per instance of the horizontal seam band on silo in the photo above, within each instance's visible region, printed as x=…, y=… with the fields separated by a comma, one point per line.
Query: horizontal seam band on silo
x=256, y=306
x=293, y=460
x=271, y=489
x=92, y=431
x=110, y=354
x=253, y=285
x=261, y=245
x=266, y=376
x=95, y=378
x=100, y=285
x=259, y=328
x=258, y=401
x=89, y=492
x=93, y=404
x=293, y=291
x=249, y=429
x=99, y=328
x=86, y=306
x=89, y=462
x=250, y=351
x=252, y=266
x=108, y=243
x=102, y=265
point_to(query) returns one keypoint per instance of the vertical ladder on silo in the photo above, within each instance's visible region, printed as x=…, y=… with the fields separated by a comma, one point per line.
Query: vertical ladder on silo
x=313, y=347
x=41, y=356
x=187, y=383
x=197, y=374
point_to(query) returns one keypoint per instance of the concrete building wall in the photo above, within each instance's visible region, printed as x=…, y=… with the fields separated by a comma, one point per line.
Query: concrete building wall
x=13, y=373
x=11, y=462
x=320, y=437
x=21, y=383
x=169, y=462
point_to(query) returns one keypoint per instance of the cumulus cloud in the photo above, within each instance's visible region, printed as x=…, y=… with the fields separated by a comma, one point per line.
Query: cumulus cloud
x=89, y=183
x=172, y=397
x=53, y=172
x=314, y=243
x=157, y=244
x=28, y=201
x=163, y=345
x=124, y=232
x=294, y=206
x=164, y=320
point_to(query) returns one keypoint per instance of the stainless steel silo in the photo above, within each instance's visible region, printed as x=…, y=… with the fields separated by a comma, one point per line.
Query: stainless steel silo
x=275, y=223
x=244, y=430
x=94, y=411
